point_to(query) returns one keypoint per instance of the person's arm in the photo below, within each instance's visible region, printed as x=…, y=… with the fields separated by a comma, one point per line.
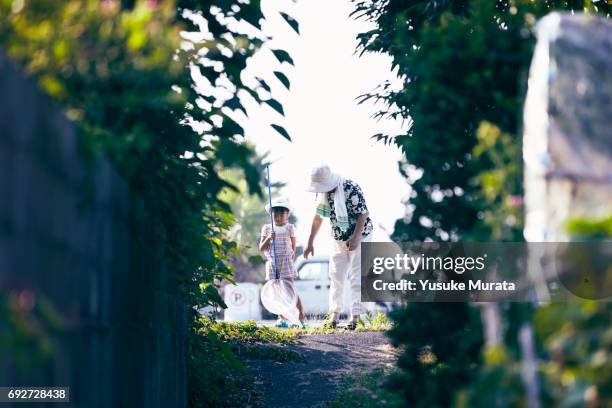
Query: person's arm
x=356, y=237
x=314, y=229
x=264, y=242
x=293, y=239
x=362, y=209
x=293, y=245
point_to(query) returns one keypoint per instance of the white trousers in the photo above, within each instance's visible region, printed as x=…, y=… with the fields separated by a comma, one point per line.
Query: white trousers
x=345, y=265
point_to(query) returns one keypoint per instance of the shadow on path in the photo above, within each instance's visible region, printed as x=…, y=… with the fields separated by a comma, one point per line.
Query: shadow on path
x=329, y=360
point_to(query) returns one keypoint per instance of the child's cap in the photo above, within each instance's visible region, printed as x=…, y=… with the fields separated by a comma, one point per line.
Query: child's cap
x=279, y=202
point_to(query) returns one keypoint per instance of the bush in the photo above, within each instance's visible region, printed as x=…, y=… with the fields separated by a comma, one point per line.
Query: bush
x=217, y=377
x=441, y=351
x=366, y=390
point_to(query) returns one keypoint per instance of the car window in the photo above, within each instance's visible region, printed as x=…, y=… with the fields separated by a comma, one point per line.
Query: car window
x=313, y=271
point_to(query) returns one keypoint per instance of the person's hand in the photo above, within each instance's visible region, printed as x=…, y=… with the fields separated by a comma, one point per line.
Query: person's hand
x=272, y=236
x=309, y=251
x=353, y=243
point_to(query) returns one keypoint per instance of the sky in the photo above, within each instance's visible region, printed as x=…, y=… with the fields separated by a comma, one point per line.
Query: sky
x=321, y=114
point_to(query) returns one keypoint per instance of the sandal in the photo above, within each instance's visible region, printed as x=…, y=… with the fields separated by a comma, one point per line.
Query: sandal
x=282, y=324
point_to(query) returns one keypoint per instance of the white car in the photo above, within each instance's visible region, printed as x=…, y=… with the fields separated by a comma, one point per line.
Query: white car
x=312, y=285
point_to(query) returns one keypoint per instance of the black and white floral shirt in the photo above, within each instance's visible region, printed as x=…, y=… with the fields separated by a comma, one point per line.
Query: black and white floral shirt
x=355, y=206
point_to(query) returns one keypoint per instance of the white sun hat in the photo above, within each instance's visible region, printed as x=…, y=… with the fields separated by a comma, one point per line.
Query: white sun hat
x=322, y=179
x=279, y=202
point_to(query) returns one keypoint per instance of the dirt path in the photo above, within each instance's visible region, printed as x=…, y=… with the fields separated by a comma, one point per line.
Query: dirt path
x=329, y=359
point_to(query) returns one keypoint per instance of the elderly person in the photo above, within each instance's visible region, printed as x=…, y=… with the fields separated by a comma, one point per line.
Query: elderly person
x=342, y=201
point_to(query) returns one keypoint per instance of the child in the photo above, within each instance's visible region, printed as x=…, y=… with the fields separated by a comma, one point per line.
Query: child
x=284, y=237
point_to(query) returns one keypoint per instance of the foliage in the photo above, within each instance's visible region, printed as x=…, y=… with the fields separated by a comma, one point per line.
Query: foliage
x=365, y=390
x=599, y=228
x=574, y=341
x=369, y=323
x=441, y=351
x=379, y=322
x=463, y=67
x=154, y=85
x=577, y=338
x=250, y=214
x=27, y=326
x=121, y=72
x=217, y=377
x=498, y=382
x=249, y=209
x=248, y=340
x=246, y=332
x=575, y=367
x=578, y=371
x=461, y=63
x=498, y=189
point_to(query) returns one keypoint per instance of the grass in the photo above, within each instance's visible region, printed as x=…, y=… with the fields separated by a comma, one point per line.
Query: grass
x=365, y=390
x=218, y=377
x=378, y=322
x=248, y=340
x=249, y=332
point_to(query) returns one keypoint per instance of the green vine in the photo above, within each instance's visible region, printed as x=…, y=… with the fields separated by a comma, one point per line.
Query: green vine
x=125, y=73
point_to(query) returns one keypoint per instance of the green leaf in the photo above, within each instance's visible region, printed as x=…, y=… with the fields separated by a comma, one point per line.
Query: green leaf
x=263, y=84
x=291, y=21
x=283, y=78
x=230, y=127
x=214, y=297
x=282, y=131
x=283, y=56
x=235, y=104
x=274, y=104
